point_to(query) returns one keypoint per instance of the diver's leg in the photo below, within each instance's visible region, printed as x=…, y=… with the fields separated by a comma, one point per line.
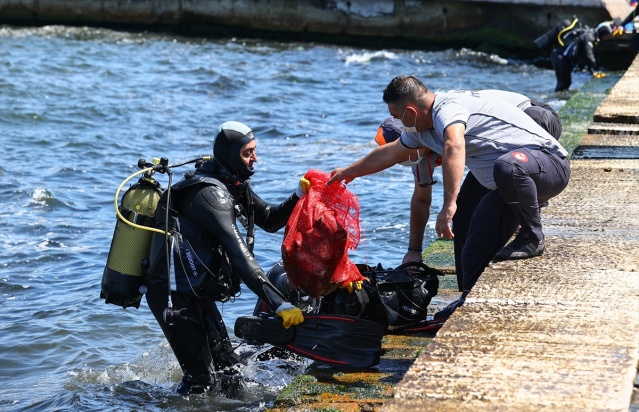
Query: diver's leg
x=187, y=337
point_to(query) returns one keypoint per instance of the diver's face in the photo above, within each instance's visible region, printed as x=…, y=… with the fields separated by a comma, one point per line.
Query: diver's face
x=248, y=153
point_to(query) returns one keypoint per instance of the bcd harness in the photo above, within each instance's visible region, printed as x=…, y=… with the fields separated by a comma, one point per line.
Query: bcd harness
x=194, y=274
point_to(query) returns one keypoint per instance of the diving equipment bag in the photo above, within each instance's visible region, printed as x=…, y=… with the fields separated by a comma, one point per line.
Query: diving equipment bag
x=395, y=298
x=128, y=257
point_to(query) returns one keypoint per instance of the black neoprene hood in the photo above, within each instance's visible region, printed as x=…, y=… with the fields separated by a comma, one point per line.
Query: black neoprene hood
x=230, y=138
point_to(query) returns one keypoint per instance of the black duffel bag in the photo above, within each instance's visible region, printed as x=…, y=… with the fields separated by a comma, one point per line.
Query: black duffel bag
x=404, y=292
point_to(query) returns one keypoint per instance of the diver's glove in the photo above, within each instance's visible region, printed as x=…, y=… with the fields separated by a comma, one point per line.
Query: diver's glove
x=290, y=315
x=599, y=75
x=302, y=187
x=352, y=286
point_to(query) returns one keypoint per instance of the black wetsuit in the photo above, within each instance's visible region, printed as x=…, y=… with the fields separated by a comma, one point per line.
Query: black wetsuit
x=210, y=258
x=577, y=51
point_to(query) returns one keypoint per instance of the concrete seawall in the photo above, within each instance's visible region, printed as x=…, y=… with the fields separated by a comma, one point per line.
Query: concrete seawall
x=508, y=26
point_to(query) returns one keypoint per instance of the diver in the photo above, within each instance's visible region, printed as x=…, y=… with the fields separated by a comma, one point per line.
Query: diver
x=205, y=258
x=573, y=50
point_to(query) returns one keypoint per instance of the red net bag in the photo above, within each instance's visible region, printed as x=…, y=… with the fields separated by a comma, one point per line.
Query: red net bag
x=322, y=228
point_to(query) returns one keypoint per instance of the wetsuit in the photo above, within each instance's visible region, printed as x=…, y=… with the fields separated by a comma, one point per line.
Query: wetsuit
x=577, y=51
x=210, y=257
x=514, y=165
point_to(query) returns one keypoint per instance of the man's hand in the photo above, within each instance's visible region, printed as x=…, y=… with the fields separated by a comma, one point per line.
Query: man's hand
x=338, y=175
x=444, y=221
x=290, y=315
x=302, y=187
x=412, y=256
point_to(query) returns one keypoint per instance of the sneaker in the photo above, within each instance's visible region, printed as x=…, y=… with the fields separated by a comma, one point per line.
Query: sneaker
x=524, y=246
x=448, y=310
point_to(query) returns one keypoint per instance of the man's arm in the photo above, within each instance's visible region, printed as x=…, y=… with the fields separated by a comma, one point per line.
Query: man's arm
x=379, y=159
x=453, y=162
x=419, y=214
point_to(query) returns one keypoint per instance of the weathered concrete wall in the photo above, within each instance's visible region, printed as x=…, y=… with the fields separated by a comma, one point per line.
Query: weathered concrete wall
x=406, y=22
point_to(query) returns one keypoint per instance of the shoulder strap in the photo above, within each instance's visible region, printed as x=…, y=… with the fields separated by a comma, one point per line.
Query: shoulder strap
x=197, y=179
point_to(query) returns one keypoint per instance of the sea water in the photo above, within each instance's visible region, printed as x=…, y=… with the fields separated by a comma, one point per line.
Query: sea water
x=80, y=106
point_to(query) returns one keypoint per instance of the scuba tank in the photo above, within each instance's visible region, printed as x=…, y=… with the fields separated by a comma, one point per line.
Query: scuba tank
x=128, y=260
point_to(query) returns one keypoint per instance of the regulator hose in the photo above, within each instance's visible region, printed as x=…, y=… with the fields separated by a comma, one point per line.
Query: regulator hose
x=565, y=29
x=117, y=209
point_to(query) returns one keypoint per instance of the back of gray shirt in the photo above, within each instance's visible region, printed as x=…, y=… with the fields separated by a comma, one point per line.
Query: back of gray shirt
x=494, y=126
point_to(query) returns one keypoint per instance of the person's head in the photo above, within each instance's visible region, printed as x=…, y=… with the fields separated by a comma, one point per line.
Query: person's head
x=409, y=100
x=234, y=147
x=547, y=118
x=389, y=131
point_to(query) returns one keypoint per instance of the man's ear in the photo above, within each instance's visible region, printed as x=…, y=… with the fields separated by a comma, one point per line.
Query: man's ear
x=411, y=108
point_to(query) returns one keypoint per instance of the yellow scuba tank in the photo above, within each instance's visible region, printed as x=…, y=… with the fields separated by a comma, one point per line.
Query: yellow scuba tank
x=128, y=258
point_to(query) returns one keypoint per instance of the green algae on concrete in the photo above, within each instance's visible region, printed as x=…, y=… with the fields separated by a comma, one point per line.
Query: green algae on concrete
x=323, y=387
x=577, y=114
x=439, y=255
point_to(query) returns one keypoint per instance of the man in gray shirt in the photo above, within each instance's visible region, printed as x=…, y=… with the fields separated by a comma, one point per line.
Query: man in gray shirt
x=519, y=163
x=471, y=191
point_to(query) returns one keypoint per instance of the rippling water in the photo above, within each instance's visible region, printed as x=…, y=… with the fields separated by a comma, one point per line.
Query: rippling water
x=79, y=106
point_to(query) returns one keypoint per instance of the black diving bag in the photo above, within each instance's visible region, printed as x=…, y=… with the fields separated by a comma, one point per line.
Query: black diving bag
x=404, y=292
x=393, y=298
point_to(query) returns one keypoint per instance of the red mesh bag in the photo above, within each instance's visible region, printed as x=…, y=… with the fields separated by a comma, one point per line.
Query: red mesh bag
x=322, y=228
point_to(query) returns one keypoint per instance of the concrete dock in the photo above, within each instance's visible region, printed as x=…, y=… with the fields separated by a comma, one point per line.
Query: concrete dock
x=559, y=332
x=505, y=27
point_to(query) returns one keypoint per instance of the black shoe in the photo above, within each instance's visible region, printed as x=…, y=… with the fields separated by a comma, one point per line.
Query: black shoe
x=194, y=385
x=524, y=246
x=448, y=310
x=231, y=382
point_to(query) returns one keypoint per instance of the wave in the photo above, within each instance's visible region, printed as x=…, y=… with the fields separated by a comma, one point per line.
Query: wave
x=367, y=57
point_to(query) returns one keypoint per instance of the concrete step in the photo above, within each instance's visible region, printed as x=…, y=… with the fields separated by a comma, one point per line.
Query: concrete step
x=622, y=103
x=613, y=128
x=606, y=146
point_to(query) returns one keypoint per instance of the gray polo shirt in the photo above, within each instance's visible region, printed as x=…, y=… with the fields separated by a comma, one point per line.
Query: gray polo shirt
x=494, y=126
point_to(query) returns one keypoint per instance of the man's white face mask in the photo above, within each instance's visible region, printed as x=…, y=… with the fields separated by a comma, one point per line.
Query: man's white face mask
x=409, y=162
x=409, y=129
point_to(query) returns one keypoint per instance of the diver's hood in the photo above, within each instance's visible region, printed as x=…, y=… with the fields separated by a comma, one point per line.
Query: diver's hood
x=230, y=138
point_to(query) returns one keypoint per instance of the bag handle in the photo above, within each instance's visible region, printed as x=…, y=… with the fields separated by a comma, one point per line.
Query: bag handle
x=407, y=265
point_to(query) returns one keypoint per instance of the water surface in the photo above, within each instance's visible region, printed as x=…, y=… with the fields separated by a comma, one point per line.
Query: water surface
x=80, y=106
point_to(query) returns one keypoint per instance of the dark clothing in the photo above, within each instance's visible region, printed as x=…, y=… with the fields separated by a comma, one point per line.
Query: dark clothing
x=546, y=117
x=577, y=52
x=476, y=223
x=485, y=220
x=527, y=178
x=210, y=257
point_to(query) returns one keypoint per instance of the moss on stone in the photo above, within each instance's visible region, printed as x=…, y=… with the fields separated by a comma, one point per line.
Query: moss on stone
x=577, y=114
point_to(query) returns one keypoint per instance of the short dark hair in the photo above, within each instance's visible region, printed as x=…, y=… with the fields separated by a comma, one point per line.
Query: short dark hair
x=405, y=89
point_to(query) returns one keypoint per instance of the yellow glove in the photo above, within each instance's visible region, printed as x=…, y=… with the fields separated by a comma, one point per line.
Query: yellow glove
x=290, y=315
x=618, y=31
x=351, y=286
x=599, y=75
x=302, y=187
